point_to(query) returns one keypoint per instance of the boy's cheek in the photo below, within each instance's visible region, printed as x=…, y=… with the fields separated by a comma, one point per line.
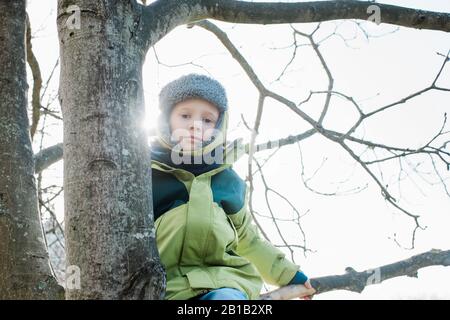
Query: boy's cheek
x=208, y=133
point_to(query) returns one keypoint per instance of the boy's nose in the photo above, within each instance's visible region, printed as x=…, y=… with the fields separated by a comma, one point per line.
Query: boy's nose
x=195, y=125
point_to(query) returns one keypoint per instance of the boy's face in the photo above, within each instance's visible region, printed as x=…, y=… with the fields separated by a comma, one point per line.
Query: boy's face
x=192, y=121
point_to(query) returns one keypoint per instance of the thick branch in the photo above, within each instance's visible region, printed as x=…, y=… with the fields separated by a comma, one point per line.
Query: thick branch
x=160, y=17
x=37, y=82
x=357, y=281
x=281, y=142
x=46, y=157
x=317, y=11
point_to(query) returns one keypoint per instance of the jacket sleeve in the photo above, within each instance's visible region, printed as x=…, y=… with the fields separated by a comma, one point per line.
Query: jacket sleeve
x=271, y=263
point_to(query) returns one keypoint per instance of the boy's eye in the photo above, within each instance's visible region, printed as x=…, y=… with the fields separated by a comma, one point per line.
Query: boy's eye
x=185, y=116
x=207, y=120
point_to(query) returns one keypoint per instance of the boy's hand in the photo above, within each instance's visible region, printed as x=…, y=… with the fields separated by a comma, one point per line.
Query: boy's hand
x=301, y=279
x=303, y=291
x=308, y=286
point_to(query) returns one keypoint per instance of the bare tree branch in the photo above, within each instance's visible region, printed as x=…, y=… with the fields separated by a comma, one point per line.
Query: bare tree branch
x=305, y=180
x=55, y=219
x=37, y=82
x=164, y=15
x=357, y=281
x=46, y=157
x=317, y=125
x=269, y=189
x=315, y=46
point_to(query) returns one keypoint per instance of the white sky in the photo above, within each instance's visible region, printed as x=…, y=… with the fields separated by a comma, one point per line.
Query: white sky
x=350, y=230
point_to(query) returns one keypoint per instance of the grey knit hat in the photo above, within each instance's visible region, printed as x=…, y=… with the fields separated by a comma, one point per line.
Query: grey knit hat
x=193, y=86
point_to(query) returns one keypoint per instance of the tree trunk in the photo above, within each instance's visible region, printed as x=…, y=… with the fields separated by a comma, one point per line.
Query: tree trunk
x=107, y=179
x=25, y=272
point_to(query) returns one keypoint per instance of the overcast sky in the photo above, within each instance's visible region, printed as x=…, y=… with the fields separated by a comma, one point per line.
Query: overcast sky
x=353, y=229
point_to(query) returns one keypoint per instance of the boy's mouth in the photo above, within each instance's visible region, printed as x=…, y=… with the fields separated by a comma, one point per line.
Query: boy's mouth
x=192, y=138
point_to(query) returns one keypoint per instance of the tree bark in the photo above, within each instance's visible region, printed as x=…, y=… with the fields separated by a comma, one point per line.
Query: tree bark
x=24, y=265
x=109, y=228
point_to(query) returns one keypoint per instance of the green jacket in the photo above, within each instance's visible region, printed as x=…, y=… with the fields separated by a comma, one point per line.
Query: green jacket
x=205, y=235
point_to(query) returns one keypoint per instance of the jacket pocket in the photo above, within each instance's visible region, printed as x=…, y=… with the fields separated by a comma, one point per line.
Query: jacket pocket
x=199, y=278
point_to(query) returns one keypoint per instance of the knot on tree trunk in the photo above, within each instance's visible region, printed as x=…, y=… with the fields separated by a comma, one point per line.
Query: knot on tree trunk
x=144, y=282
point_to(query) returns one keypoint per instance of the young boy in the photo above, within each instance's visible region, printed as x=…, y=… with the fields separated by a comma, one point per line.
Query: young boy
x=204, y=232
